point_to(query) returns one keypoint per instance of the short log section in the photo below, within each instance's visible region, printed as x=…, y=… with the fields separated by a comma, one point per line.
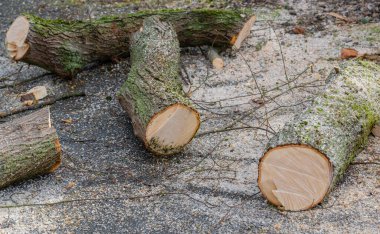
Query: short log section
x=215, y=59
x=303, y=163
x=29, y=147
x=153, y=97
x=67, y=47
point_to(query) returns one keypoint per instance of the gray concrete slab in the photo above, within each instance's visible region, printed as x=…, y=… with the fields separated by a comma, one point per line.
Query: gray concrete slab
x=108, y=183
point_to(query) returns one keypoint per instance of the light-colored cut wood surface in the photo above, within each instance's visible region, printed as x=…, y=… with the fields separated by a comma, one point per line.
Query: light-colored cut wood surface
x=16, y=37
x=244, y=33
x=175, y=126
x=294, y=177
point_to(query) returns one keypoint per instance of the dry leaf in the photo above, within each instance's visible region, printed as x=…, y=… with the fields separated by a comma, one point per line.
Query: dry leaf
x=298, y=30
x=67, y=121
x=346, y=53
x=339, y=16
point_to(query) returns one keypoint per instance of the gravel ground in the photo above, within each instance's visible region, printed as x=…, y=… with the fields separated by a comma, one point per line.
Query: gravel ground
x=108, y=183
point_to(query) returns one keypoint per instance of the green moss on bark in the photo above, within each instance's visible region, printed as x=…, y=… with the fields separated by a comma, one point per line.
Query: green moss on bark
x=338, y=122
x=109, y=36
x=153, y=82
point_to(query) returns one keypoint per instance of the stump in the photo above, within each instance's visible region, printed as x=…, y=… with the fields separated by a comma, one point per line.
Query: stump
x=306, y=159
x=67, y=47
x=161, y=114
x=29, y=147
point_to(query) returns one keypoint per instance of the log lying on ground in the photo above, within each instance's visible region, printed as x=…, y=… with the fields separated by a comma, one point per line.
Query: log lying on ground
x=29, y=146
x=68, y=47
x=311, y=154
x=152, y=95
x=215, y=59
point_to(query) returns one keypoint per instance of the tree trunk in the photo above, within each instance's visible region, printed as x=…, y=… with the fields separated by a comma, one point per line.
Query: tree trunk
x=68, y=47
x=152, y=95
x=311, y=154
x=29, y=146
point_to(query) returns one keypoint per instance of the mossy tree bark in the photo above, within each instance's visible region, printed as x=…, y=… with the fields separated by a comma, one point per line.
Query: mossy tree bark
x=67, y=47
x=29, y=146
x=311, y=154
x=161, y=114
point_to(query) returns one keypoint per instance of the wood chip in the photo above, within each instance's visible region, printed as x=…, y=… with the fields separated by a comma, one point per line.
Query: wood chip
x=68, y=121
x=70, y=185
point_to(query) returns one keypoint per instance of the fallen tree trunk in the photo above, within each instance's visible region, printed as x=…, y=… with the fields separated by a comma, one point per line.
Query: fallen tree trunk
x=68, y=47
x=29, y=146
x=311, y=154
x=152, y=95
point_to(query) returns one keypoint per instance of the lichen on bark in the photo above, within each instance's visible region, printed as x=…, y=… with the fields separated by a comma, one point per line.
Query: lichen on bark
x=107, y=38
x=340, y=118
x=153, y=83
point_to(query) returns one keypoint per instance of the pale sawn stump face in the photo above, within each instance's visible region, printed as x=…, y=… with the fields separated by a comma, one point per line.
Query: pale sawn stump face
x=295, y=171
x=174, y=126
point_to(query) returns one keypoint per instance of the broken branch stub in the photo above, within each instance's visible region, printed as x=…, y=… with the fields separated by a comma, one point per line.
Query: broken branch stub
x=305, y=160
x=153, y=97
x=215, y=59
x=67, y=47
x=29, y=146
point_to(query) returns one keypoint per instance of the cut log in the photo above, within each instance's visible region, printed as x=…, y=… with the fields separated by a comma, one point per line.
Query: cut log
x=152, y=95
x=306, y=159
x=215, y=59
x=29, y=147
x=68, y=47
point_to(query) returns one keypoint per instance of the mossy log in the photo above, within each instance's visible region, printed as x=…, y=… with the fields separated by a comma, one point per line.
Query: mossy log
x=306, y=159
x=66, y=47
x=29, y=147
x=153, y=96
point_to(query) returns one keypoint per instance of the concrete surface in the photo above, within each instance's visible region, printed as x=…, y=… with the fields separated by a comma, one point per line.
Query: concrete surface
x=108, y=183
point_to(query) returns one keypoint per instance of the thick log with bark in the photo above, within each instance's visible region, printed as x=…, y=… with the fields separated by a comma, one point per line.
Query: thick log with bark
x=67, y=47
x=152, y=95
x=303, y=163
x=29, y=146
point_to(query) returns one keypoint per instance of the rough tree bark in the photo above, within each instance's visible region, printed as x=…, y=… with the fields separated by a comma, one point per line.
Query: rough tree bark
x=311, y=154
x=67, y=47
x=161, y=114
x=29, y=146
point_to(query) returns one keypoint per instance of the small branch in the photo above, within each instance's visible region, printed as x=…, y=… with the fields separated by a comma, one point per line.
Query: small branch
x=365, y=163
x=48, y=101
x=25, y=81
x=232, y=129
